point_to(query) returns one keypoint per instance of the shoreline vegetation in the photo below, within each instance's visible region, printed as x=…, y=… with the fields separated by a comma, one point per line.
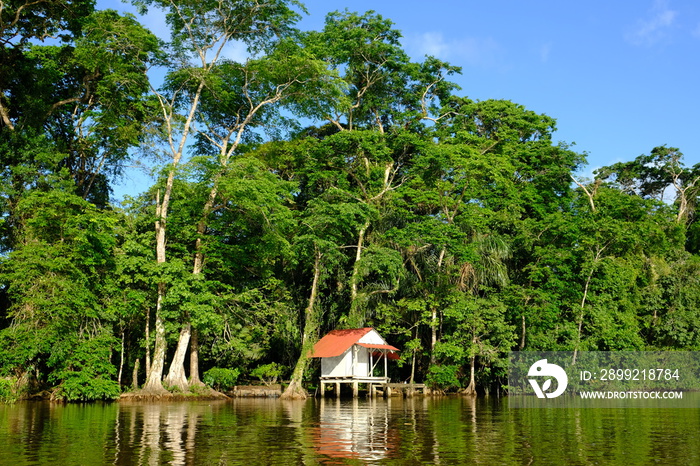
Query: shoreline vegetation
x=326, y=181
x=251, y=391
x=266, y=390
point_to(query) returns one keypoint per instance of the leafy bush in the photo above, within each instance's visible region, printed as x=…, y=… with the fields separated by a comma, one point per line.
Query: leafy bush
x=84, y=386
x=84, y=371
x=8, y=393
x=442, y=377
x=268, y=373
x=220, y=378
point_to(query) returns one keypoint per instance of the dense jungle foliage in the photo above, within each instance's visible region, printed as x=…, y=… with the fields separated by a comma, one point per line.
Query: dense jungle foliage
x=328, y=181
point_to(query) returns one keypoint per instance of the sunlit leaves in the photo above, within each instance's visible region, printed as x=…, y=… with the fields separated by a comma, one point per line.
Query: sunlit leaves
x=208, y=24
x=57, y=279
x=384, y=89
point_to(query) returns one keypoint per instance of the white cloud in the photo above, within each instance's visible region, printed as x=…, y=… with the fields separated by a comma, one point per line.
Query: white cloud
x=469, y=51
x=652, y=29
x=432, y=43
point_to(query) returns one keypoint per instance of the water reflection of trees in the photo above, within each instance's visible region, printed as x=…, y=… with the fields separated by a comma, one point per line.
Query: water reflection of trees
x=396, y=431
x=156, y=433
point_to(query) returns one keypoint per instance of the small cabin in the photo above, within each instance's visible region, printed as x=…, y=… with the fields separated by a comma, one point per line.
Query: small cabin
x=354, y=356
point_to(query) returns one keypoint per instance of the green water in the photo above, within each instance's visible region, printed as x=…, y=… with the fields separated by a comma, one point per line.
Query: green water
x=397, y=431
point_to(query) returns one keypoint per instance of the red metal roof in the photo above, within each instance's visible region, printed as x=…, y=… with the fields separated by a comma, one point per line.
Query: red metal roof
x=389, y=354
x=388, y=347
x=336, y=342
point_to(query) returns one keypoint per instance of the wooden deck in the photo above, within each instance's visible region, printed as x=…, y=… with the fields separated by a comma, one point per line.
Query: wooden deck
x=374, y=385
x=405, y=389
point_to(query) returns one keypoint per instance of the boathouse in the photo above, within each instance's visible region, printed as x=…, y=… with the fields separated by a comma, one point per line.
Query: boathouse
x=354, y=356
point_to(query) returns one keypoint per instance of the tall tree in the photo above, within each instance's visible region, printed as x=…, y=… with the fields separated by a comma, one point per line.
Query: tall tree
x=651, y=175
x=200, y=33
x=74, y=111
x=359, y=166
x=239, y=99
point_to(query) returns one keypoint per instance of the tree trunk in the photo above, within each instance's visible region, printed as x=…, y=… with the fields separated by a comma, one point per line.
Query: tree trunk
x=135, y=376
x=471, y=388
x=155, y=374
x=413, y=368
x=194, y=380
x=121, y=363
x=523, y=326
x=580, y=317
x=598, y=255
x=434, y=315
x=148, y=341
x=433, y=334
x=590, y=194
x=356, y=319
x=682, y=196
x=295, y=390
x=176, y=375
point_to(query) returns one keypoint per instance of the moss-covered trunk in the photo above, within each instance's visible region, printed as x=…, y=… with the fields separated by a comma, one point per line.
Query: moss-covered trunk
x=295, y=390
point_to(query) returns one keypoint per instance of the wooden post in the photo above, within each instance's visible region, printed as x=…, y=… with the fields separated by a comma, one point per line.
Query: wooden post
x=372, y=391
x=355, y=389
x=337, y=389
x=386, y=372
x=354, y=360
x=323, y=389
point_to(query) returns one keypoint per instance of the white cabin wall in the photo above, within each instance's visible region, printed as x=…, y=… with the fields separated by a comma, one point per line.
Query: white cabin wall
x=362, y=366
x=338, y=366
x=342, y=366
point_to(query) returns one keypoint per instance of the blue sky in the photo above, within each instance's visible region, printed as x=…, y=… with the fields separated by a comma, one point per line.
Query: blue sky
x=620, y=77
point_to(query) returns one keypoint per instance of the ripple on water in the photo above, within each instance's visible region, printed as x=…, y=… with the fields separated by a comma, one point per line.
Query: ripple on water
x=396, y=431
